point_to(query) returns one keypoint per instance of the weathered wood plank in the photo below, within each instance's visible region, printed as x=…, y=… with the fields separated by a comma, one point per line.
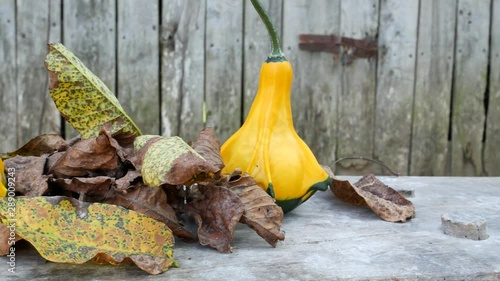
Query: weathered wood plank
x=183, y=58
x=8, y=85
x=395, y=82
x=172, y=63
x=356, y=105
x=138, y=87
x=257, y=47
x=431, y=109
x=90, y=33
x=223, y=66
x=471, y=63
x=37, y=24
x=492, y=142
x=316, y=80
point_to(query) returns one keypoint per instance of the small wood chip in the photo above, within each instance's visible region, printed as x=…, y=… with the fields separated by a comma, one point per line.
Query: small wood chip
x=464, y=225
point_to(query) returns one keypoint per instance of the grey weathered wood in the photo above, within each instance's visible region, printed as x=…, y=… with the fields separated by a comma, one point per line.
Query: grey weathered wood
x=138, y=87
x=327, y=239
x=492, y=142
x=471, y=63
x=395, y=82
x=316, y=79
x=257, y=46
x=356, y=103
x=8, y=85
x=172, y=62
x=37, y=23
x=210, y=53
x=223, y=66
x=434, y=73
x=183, y=58
x=90, y=33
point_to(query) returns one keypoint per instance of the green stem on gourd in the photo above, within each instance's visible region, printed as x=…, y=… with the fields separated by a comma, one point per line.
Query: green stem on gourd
x=276, y=53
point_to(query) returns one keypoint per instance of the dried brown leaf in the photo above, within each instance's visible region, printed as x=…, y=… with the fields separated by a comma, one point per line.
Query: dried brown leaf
x=208, y=146
x=129, y=179
x=152, y=202
x=43, y=144
x=52, y=159
x=30, y=179
x=216, y=213
x=344, y=191
x=126, y=142
x=90, y=157
x=261, y=212
x=386, y=202
x=169, y=160
x=96, y=187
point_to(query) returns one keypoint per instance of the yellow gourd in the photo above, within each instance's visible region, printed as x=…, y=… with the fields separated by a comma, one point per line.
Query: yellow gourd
x=267, y=146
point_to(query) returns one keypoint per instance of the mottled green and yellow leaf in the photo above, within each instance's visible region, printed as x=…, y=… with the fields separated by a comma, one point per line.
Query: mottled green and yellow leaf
x=66, y=230
x=82, y=98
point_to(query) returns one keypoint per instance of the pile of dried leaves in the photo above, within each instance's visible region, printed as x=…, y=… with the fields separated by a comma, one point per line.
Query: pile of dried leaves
x=122, y=197
x=115, y=195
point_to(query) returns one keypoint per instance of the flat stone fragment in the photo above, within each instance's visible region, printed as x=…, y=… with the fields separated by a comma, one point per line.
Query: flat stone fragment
x=464, y=225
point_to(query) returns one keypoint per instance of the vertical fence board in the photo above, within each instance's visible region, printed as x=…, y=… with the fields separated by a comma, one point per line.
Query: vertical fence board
x=316, y=80
x=356, y=109
x=396, y=77
x=223, y=54
x=172, y=65
x=8, y=97
x=138, y=73
x=53, y=118
x=395, y=109
x=492, y=142
x=257, y=46
x=183, y=59
x=90, y=33
x=36, y=113
x=471, y=62
x=431, y=109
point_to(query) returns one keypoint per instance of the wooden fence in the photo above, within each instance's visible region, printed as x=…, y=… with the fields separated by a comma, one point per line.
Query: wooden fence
x=427, y=104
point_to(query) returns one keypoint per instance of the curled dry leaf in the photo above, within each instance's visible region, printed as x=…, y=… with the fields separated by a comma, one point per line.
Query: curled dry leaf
x=124, y=145
x=217, y=212
x=70, y=231
x=131, y=177
x=169, y=160
x=152, y=202
x=347, y=193
x=43, y=144
x=95, y=187
x=30, y=180
x=208, y=146
x=261, y=212
x=91, y=157
x=386, y=202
